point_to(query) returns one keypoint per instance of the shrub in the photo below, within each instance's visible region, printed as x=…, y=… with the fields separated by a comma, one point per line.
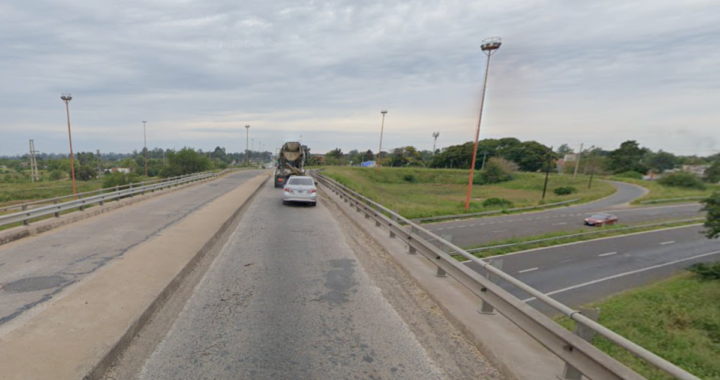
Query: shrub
x=565, y=190
x=706, y=271
x=501, y=202
x=630, y=174
x=410, y=178
x=55, y=175
x=119, y=179
x=497, y=170
x=682, y=179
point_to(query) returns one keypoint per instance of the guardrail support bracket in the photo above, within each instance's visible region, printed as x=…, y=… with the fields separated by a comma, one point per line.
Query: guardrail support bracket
x=570, y=372
x=486, y=308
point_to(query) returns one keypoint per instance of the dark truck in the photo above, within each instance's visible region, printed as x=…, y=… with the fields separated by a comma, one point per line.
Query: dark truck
x=291, y=161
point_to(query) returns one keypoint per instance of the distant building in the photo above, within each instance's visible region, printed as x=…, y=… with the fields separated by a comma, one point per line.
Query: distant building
x=120, y=170
x=698, y=170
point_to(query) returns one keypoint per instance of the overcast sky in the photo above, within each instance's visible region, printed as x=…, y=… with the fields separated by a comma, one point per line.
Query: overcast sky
x=598, y=72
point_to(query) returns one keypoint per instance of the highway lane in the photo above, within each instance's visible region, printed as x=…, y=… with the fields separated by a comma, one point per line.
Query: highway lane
x=287, y=299
x=38, y=269
x=473, y=232
x=580, y=273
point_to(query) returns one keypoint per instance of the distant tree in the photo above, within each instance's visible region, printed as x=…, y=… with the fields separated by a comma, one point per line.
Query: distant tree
x=185, y=161
x=335, y=153
x=660, y=161
x=368, y=156
x=84, y=173
x=564, y=149
x=497, y=170
x=712, y=221
x=712, y=174
x=628, y=157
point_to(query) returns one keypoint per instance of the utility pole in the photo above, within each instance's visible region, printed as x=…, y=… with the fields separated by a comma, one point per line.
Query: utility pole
x=247, y=151
x=483, y=164
x=164, y=163
x=67, y=98
x=252, y=152
x=382, y=127
x=489, y=46
x=547, y=171
x=592, y=172
x=577, y=160
x=34, y=174
x=145, y=137
x=99, y=166
x=435, y=135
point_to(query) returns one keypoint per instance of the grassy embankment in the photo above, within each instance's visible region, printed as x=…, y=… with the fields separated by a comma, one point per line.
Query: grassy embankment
x=417, y=192
x=658, y=191
x=678, y=319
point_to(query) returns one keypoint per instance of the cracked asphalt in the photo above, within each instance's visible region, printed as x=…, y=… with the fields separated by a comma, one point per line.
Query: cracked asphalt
x=287, y=299
x=35, y=270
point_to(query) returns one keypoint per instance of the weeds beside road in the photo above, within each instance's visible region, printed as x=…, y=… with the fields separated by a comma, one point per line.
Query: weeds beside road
x=677, y=319
x=658, y=191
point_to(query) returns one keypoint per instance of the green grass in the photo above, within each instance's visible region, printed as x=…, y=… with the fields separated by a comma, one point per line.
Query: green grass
x=23, y=192
x=559, y=238
x=438, y=192
x=677, y=319
x=658, y=191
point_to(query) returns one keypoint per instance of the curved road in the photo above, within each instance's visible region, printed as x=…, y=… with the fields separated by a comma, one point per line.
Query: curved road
x=473, y=232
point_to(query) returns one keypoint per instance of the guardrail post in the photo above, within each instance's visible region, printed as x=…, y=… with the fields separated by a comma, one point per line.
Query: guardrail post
x=142, y=186
x=570, y=372
x=486, y=308
x=82, y=206
x=131, y=193
x=102, y=202
x=57, y=214
x=25, y=222
x=441, y=272
x=411, y=249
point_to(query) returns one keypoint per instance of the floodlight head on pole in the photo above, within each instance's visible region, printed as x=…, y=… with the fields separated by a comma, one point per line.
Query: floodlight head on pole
x=383, y=112
x=66, y=97
x=490, y=45
x=436, y=134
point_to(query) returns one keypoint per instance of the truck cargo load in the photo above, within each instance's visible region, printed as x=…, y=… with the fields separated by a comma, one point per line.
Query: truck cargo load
x=291, y=161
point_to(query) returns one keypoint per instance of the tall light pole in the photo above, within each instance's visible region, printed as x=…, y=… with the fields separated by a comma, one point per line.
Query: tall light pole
x=247, y=151
x=435, y=135
x=145, y=137
x=382, y=126
x=252, y=152
x=489, y=47
x=67, y=98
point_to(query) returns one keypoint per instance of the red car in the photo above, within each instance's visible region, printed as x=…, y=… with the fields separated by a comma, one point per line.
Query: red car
x=600, y=220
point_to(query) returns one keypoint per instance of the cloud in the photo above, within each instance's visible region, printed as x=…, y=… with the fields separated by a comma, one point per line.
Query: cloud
x=568, y=72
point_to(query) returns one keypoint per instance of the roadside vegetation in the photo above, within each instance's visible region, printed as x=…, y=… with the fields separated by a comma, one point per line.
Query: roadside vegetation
x=676, y=319
x=564, y=237
x=660, y=191
x=418, y=192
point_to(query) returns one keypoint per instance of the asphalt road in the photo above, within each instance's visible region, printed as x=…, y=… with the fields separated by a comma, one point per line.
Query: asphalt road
x=473, y=232
x=287, y=299
x=577, y=274
x=37, y=269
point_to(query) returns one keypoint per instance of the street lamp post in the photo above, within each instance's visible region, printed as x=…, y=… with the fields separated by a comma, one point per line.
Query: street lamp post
x=247, y=151
x=67, y=98
x=382, y=127
x=489, y=47
x=145, y=136
x=435, y=135
x=252, y=152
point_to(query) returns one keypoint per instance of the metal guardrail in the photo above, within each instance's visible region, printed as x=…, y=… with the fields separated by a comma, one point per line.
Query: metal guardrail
x=575, y=351
x=480, y=249
x=651, y=201
x=493, y=212
x=27, y=205
x=55, y=209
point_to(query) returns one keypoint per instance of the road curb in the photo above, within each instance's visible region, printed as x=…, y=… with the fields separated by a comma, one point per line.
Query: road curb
x=116, y=304
x=49, y=224
x=514, y=353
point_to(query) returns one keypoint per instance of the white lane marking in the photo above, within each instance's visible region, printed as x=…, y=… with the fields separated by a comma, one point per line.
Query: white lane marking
x=482, y=224
x=471, y=225
x=623, y=275
x=527, y=270
x=439, y=229
x=450, y=228
x=498, y=231
x=559, y=224
x=667, y=242
x=607, y=254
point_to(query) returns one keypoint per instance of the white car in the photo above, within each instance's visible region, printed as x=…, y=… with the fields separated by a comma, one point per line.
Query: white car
x=300, y=189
